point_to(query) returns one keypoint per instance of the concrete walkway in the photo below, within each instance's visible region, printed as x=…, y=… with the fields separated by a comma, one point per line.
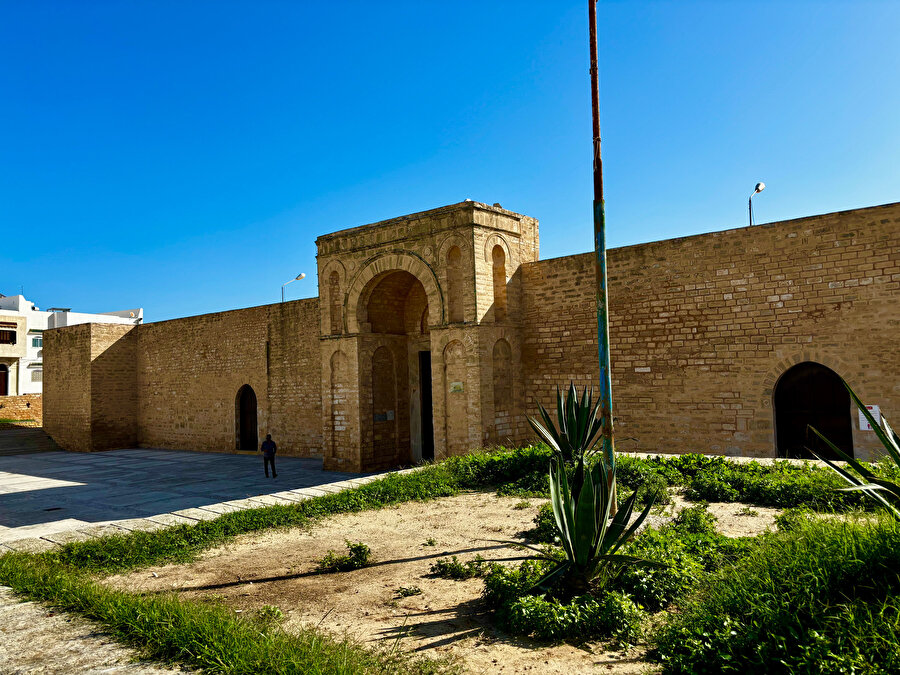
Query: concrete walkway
x=38, y=640
x=53, y=498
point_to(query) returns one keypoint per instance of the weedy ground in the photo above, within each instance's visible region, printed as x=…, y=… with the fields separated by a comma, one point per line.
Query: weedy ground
x=214, y=580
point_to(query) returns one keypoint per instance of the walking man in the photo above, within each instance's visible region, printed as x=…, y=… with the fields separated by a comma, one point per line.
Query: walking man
x=268, y=450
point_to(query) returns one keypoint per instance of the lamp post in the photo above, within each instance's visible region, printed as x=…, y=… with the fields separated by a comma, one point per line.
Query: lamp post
x=759, y=188
x=296, y=278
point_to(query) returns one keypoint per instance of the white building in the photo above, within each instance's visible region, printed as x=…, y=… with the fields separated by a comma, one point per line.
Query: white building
x=22, y=326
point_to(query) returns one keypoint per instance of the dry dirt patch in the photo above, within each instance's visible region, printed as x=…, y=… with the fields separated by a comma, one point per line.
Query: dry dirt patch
x=446, y=619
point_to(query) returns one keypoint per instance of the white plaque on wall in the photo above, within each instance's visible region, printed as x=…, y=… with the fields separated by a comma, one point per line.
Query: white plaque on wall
x=875, y=411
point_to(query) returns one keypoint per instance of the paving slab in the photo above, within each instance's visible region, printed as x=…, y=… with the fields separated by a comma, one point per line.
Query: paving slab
x=103, y=530
x=290, y=496
x=244, y=504
x=270, y=500
x=172, y=519
x=140, y=524
x=311, y=492
x=63, y=538
x=31, y=545
x=197, y=514
x=221, y=509
x=37, y=531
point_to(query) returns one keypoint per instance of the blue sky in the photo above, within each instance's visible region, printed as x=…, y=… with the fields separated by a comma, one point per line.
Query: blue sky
x=183, y=156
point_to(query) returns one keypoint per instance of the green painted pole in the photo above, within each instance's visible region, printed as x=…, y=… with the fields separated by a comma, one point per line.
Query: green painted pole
x=606, y=416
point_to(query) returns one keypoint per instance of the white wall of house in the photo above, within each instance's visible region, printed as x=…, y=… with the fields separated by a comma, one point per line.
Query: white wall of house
x=27, y=371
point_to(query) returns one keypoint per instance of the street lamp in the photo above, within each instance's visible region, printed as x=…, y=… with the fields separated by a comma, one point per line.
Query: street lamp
x=296, y=278
x=759, y=188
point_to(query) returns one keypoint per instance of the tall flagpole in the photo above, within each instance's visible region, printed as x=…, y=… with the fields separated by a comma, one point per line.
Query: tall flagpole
x=606, y=417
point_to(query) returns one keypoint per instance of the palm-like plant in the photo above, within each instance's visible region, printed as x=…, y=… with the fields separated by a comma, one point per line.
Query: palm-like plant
x=885, y=492
x=578, y=424
x=588, y=534
x=575, y=439
x=591, y=528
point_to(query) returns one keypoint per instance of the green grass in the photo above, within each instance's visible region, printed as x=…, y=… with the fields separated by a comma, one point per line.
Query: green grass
x=822, y=597
x=208, y=637
x=515, y=471
x=180, y=543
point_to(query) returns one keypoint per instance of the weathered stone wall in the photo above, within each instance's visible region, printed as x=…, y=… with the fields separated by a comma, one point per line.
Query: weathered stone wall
x=701, y=327
x=67, y=386
x=295, y=386
x=114, y=393
x=190, y=370
x=24, y=407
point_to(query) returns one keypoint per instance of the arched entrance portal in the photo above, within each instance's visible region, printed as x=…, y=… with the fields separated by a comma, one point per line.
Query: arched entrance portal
x=811, y=394
x=246, y=434
x=395, y=368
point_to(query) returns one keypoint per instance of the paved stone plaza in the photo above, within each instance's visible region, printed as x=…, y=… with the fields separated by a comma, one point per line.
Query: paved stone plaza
x=52, y=498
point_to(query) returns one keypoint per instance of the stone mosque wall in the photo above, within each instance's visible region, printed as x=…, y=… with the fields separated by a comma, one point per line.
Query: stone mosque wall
x=436, y=333
x=702, y=327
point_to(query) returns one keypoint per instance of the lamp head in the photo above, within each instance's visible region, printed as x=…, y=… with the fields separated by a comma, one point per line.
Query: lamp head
x=759, y=187
x=302, y=275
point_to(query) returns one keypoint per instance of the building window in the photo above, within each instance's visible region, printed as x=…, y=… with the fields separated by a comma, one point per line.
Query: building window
x=37, y=375
x=37, y=342
x=499, y=258
x=7, y=337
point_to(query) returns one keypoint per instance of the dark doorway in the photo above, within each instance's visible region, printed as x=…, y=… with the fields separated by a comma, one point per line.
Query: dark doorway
x=246, y=418
x=4, y=380
x=427, y=419
x=811, y=394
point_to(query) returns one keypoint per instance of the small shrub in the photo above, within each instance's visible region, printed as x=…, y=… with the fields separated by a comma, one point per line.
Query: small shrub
x=507, y=591
x=269, y=615
x=712, y=487
x=654, y=486
x=696, y=520
x=748, y=511
x=632, y=472
x=407, y=591
x=615, y=616
x=657, y=588
x=521, y=506
x=544, y=530
x=530, y=485
x=430, y=542
x=358, y=556
x=794, y=519
x=452, y=568
x=503, y=585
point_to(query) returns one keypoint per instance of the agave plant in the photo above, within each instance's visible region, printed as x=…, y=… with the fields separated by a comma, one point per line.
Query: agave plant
x=578, y=424
x=589, y=536
x=576, y=438
x=591, y=528
x=883, y=491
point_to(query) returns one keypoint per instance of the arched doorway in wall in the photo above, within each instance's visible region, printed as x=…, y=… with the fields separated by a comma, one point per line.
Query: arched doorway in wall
x=811, y=394
x=396, y=393
x=4, y=380
x=246, y=433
